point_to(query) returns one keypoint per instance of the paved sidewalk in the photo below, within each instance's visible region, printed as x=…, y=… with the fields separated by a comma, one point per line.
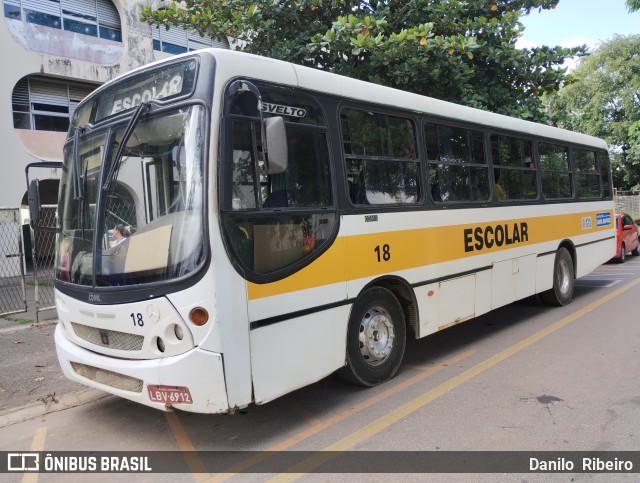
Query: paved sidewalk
x=31, y=381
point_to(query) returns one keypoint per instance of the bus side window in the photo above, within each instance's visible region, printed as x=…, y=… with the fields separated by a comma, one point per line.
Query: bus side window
x=515, y=174
x=605, y=170
x=243, y=183
x=381, y=161
x=587, y=173
x=457, y=166
x=268, y=237
x=555, y=171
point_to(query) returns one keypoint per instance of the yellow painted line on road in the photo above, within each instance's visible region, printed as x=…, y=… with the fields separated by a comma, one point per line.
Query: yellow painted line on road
x=198, y=470
x=397, y=414
x=37, y=445
x=327, y=423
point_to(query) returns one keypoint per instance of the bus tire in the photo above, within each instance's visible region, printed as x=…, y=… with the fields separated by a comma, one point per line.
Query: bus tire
x=376, y=338
x=563, y=280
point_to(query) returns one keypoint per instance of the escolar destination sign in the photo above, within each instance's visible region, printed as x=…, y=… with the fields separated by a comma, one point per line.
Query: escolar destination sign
x=132, y=99
x=158, y=84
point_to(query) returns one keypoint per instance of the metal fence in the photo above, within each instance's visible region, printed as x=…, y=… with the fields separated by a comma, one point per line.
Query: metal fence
x=43, y=261
x=629, y=202
x=12, y=281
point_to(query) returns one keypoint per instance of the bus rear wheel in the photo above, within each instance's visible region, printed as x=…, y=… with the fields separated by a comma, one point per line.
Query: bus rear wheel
x=563, y=280
x=376, y=338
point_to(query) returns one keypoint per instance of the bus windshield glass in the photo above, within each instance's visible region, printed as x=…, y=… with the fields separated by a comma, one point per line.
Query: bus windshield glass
x=138, y=218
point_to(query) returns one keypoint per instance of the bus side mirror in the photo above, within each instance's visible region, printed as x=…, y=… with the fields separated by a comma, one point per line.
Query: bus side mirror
x=276, y=139
x=34, y=201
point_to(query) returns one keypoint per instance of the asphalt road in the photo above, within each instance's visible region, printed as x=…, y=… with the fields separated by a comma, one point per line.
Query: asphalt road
x=522, y=378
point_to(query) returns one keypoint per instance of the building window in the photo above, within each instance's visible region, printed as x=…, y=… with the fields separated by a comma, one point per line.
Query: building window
x=96, y=18
x=176, y=40
x=44, y=104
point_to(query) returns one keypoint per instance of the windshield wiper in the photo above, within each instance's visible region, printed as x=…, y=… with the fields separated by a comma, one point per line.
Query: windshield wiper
x=140, y=110
x=82, y=180
x=79, y=178
x=78, y=192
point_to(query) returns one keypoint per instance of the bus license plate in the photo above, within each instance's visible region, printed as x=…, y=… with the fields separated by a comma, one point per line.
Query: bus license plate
x=170, y=394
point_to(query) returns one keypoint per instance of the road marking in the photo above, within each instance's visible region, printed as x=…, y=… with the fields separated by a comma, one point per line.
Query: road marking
x=327, y=423
x=610, y=273
x=198, y=470
x=401, y=412
x=594, y=283
x=37, y=445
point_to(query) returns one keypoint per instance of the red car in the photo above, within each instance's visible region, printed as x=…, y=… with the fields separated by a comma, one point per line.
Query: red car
x=626, y=237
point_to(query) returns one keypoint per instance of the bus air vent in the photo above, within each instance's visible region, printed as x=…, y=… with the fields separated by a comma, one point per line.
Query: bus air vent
x=111, y=339
x=108, y=378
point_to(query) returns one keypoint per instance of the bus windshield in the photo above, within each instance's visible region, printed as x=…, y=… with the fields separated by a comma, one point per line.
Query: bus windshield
x=138, y=218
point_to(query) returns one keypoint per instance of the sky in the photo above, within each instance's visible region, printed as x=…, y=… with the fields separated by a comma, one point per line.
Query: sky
x=577, y=22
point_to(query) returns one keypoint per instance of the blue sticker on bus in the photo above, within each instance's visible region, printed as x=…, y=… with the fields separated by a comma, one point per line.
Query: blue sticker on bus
x=603, y=219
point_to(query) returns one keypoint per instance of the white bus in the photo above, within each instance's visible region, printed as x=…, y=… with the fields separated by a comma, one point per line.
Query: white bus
x=276, y=224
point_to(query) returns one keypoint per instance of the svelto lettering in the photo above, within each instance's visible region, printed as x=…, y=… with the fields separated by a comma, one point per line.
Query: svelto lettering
x=479, y=238
x=283, y=110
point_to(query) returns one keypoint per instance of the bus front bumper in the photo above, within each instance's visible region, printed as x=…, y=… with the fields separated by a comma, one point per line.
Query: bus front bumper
x=193, y=381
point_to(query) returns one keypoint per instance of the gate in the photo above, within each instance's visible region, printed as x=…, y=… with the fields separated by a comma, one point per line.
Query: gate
x=43, y=261
x=629, y=202
x=12, y=289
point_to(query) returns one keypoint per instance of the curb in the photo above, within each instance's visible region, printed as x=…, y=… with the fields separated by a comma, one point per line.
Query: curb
x=34, y=325
x=66, y=401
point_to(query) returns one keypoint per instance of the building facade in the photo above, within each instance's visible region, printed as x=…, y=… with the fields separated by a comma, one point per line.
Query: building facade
x=56, y=52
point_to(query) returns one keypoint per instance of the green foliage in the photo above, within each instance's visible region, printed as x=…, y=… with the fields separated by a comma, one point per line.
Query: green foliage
x=18, y=320
x=633, y=5
x=460, y=51
x=633, y=154
x=605, y=102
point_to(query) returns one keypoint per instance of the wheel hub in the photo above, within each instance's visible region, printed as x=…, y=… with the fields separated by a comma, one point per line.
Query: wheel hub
x=563, y=276
x=376, y=336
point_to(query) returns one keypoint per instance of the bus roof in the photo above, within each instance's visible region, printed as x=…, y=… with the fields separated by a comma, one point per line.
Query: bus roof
x=230, y=63
x=349, y=88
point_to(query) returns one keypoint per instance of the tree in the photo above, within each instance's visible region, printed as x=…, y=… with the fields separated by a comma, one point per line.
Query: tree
x=605, y=102
x=633, y=156
x=460, y=51
x=633, y=5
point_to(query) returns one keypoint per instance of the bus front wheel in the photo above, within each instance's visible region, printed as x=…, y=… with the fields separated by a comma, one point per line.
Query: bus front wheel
x=376, y=338
x=563, y=279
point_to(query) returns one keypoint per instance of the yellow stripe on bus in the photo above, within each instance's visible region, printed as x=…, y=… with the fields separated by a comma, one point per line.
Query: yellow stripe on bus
x=359, y=256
